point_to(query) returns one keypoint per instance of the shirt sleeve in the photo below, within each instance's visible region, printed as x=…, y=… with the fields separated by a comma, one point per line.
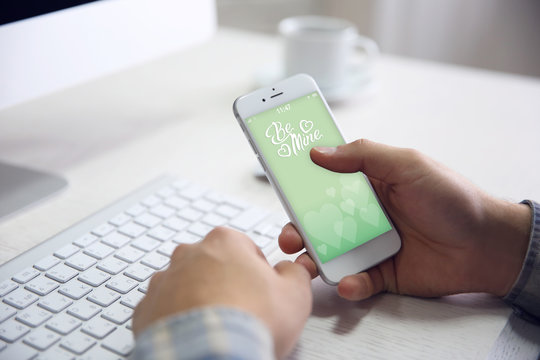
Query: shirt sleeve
x=525, y=294
x=206, y=333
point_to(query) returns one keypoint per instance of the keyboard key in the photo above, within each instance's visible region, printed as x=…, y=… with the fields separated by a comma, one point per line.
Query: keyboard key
x=147, y=220
x=259, y=240
x=98, y=328
x=56, y=353
x=176, y=202
x=190, y=214
x=80, y=262
x=238, y=203
x=75, y=289
x=145, y=243
x=85, y=240
x=103, y=229
x=117, y=313
x=132, y=230
x=25, y=275
x=162, y=211
x=248, y=219
x=132, y=299
x=186, y=238
x=136, y=210
x=112, y=265
x=18, y=351
x=214, y=220
x=46, y=263
x=7, y=286
x=78, y=343
x=151, y=201
x=99, y=250
x=122, y=284
x=167, y=249
x=161, y=233
x=55, y=302
x=203, y=205
x=84, y=310
x=120, y=219
x=193, y=192
x=94, y=277
x=20, y=298
x=41, y=339
x=166, y=192
x=139, y=272
x=227, y=211
x=129, y=254
x=33, y=316
x=99, y=353
x=63, y=324
x=144, y=286
x=12, y=330
x=116, y=240
x=177, y=224
x=61, y=273
x=103, y=296
x=215, y=197
x=200, y=229
x=66, y=251
x=155, y=261
x=6, y=312
x=120, y=342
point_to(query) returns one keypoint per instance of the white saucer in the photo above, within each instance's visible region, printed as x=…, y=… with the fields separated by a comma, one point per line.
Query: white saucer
x=358, y=82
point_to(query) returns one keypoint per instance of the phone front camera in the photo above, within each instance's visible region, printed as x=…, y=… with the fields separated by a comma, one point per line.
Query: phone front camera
x=264, y=100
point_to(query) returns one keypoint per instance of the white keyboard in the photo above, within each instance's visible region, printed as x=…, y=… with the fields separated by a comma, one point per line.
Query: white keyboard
x=73, y=295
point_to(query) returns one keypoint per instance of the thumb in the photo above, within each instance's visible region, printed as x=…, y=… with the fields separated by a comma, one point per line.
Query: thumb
x=378, y=161
x=362, y=285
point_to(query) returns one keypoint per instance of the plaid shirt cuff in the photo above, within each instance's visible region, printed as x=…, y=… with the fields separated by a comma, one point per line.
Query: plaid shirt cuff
x=525, y=294
x=206, y=333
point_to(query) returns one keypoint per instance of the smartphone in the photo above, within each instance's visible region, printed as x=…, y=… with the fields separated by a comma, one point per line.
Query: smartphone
x=343, y=225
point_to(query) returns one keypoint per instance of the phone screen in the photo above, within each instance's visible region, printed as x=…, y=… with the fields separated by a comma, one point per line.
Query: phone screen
x=338, y=212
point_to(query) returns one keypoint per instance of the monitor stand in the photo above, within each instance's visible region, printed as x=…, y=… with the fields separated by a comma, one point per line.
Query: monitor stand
x=21, y=187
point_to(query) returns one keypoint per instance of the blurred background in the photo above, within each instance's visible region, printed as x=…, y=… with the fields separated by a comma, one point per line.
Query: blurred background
x=499, y=35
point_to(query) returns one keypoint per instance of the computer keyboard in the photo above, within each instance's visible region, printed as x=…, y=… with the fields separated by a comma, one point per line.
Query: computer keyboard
x=73, y=295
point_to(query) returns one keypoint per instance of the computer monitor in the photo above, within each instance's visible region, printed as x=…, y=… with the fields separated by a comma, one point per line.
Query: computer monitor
x=48, y=46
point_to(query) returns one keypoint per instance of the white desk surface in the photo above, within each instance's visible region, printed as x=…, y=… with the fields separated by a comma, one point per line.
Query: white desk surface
x=174, y=116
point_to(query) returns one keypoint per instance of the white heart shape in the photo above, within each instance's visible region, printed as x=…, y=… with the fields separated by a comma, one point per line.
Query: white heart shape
x=284, y=150
x=306, y=126
x=331, y=191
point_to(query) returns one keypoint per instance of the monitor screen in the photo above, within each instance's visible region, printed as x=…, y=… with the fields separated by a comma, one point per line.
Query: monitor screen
x=23, y=9
x=50, y=45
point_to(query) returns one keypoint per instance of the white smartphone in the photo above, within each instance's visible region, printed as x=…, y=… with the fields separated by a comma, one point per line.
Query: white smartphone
x=344, y=227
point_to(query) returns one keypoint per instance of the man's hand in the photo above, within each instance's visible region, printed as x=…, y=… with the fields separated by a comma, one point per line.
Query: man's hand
x=455, y=238
x=228, y=269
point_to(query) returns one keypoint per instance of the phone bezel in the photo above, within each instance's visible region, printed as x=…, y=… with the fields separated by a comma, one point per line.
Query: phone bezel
x=353, y=261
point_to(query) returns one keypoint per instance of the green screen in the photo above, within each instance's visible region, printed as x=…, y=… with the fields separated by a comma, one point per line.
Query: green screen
x=337, y=211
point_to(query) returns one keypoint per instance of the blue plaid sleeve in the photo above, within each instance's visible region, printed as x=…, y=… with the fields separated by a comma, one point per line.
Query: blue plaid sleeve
x=525, y=294
x=206, y=333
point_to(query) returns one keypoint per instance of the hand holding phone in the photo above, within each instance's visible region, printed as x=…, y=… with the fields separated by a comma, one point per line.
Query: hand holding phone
x=344, y=227
x=456, y=238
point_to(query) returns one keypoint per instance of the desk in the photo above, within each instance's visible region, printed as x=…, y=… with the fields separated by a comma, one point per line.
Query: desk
x=174, y=115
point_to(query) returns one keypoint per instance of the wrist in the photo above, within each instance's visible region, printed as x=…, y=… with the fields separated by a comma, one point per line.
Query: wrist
x=504, y=245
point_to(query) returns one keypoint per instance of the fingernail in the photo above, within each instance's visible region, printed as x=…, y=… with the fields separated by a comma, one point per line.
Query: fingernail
x=325, y=150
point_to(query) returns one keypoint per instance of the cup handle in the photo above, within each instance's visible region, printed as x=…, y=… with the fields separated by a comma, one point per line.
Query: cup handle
x=369, y=46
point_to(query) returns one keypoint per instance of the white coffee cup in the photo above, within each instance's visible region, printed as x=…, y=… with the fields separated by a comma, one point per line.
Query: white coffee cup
x=324, y=47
